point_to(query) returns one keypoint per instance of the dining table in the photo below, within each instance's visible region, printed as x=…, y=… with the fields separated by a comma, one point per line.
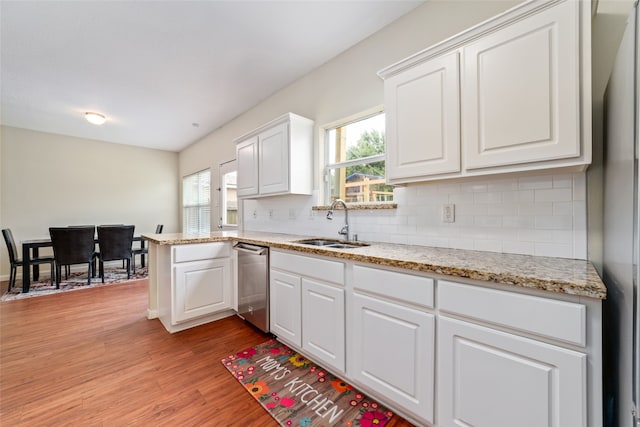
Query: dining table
x=31, y=249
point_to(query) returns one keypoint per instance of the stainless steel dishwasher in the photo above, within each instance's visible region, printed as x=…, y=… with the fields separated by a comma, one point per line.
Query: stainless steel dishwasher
x=253, y=284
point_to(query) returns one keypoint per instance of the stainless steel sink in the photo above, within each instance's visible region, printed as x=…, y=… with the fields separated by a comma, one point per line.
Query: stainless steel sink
x=335, y=244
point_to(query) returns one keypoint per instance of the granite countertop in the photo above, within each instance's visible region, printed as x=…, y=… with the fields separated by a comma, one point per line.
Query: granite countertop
x=568, y=276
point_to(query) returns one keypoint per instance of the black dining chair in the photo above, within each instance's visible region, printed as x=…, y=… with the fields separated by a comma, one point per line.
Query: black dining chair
x=16, y=262
x=73, y=245
x=143, y=250
x=115, y=243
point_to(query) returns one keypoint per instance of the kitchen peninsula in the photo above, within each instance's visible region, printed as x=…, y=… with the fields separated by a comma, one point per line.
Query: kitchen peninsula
x=503, y=321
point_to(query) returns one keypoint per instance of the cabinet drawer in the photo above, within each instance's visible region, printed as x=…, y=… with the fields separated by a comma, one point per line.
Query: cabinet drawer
x=404, y=287
x=564, y=321
x=328, y=271
x=200, y=251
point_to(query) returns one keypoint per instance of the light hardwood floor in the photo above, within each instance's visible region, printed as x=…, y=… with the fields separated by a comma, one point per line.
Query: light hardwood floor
x=91, y=358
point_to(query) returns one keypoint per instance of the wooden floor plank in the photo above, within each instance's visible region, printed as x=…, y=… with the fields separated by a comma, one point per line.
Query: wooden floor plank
x=92, y=358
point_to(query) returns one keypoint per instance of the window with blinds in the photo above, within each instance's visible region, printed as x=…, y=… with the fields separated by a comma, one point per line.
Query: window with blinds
x=196, y=202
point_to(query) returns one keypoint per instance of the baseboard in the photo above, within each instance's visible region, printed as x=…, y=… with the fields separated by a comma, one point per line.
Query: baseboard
x=152, y=314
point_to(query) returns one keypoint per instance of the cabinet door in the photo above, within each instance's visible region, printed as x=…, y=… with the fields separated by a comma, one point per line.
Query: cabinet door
x=274, y=160
x=521, y=87
x=423, y=119
x=285, y=306
x=488, y=378
x=323, y=322
x=247, y=158
x=201, y=288
x=393, y=353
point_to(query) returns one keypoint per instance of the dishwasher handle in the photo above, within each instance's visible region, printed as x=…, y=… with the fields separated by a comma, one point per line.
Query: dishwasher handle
x=254, y=250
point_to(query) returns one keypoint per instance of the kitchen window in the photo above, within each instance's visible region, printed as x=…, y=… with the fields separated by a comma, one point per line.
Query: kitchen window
x=228, y=209
x=355, y=160
x=196, y=202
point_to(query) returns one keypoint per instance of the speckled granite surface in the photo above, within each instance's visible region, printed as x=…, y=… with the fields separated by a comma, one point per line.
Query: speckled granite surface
x=574, y=277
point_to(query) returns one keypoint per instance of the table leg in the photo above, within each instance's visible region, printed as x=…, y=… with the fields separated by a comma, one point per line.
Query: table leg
x=26, y=268
x=36, y=267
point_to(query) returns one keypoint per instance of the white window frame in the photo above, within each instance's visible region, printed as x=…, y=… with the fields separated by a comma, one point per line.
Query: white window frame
x=203, y=209
x=327, y=167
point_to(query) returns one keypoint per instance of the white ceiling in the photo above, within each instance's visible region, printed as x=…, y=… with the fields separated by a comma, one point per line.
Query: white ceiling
x=156, y=67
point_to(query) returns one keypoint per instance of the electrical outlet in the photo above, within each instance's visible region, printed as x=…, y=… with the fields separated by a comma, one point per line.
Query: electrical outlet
x=449, y=213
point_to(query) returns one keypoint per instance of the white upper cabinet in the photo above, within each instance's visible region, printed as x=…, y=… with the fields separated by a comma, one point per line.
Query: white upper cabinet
x=423, y=119
x=276, y=158
x=521, y=91
x=509, y=95
x=247, y=158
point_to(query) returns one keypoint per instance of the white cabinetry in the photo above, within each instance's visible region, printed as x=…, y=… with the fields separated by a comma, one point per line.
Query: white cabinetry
x=247, y=161
x=524, y=94
x=491, y=378
x=307, y=306
x=392, y=338
x=198, y=287
x=503, y=363
x=423, y=119
x=444, y=353
x=276, y=158
x=285, y=306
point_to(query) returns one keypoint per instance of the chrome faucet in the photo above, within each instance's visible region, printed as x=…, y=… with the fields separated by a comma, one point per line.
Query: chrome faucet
x=344, y=231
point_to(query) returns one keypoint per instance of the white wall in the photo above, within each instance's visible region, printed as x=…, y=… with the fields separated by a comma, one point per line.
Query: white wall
x=55, y=180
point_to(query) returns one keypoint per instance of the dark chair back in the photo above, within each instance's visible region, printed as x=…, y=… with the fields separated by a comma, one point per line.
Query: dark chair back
x=159, y=228
x=115, y=241
x=73, y=245
x=11, y=245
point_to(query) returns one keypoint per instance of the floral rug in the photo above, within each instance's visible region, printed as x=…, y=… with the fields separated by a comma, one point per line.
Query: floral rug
x=76, y=281
x=296, y=392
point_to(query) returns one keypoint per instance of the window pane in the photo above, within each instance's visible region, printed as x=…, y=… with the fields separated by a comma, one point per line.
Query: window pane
x=356, y=140
x=196, y=201
x=364, y=182
x=229, y=199
x=353, y=184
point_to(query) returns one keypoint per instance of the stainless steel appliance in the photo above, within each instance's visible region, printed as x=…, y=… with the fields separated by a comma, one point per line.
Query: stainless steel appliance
x=253, y=284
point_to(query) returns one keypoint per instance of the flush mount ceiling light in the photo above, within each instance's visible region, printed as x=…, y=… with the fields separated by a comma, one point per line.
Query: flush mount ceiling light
x=95, y=118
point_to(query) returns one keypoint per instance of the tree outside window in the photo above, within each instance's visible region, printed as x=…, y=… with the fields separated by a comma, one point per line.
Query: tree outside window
x=356, y=162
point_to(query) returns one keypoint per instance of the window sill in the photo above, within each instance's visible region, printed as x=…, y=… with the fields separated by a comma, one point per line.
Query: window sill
x=359, y=206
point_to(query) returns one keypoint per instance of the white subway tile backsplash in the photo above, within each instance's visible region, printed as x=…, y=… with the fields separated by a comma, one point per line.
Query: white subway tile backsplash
x=535, y=182
x=488, y=221
x=563, y=181
x=551, y=250
x=472, y=187
x=541, y=214
x=553, y=195
x=563, y=222
x=563, y=208
x=489, y=197
x=535, y=208
x=579, y=186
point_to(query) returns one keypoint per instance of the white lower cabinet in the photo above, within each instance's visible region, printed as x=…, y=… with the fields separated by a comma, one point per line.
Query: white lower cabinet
x=444, y=353
x=285, y=307
x=195, y=286
x=323, y=324
x=307, y=306
x=393, y=352
x=489, y=378
x=201, y=288
x=392, y=338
